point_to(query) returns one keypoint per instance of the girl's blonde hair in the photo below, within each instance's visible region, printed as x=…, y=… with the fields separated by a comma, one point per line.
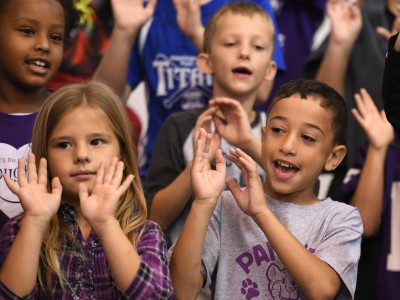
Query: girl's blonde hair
x=131, y=211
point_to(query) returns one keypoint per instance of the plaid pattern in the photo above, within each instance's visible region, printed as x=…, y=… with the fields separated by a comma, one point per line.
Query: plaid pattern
x=88, y=273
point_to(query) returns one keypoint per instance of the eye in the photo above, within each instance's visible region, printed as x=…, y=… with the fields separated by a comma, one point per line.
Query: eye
x=308, y=138
x=63, y=145
x=97, y=142
x=276, y=129
x=258, y=47
x=26, y=31
x=58, y=38
x=229, y=44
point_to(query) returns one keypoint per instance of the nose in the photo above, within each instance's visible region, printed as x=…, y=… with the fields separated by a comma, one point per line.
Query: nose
x=288, y=145
x=244, y=52
x=82, y=154
x=42, y=43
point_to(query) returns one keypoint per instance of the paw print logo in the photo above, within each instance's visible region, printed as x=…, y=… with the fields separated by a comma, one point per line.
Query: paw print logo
x=249, y=289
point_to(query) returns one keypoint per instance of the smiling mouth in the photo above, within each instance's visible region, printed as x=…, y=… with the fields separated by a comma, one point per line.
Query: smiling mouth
x=285, y=168
x=39, y=66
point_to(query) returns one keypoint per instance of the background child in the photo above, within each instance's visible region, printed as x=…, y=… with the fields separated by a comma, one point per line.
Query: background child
x=371, y=186
x=240, y=61
x=275, y=239
x=32, y=36
x=163, y=58
x=352, y=57
x=97, y=243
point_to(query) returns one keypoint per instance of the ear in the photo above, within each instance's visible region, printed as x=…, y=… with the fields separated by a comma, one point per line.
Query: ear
x=336, y=157
x=204, y=63
x=270, y=72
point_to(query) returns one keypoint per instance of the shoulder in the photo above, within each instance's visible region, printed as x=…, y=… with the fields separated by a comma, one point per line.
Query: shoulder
x=342, y=214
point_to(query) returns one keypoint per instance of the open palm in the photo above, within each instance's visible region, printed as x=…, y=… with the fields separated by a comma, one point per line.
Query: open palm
x=32, y=191
x=99, y=207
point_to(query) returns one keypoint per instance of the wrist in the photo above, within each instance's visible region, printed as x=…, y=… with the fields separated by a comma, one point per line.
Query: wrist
x=34, y=222
x=106, y=227
x=262, y=216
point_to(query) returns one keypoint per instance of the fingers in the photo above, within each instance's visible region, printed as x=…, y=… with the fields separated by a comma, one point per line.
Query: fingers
x=32, y=172
x=125, y=185
x=42, y=176
x=56, y=187
x=220, y=164
x=111, y=171
x=10, y=184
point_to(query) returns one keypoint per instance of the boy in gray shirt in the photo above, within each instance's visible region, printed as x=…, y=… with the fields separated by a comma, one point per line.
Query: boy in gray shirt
x=273, y=240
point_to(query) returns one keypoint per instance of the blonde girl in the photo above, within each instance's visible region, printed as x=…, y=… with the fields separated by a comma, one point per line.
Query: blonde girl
x=83, y=233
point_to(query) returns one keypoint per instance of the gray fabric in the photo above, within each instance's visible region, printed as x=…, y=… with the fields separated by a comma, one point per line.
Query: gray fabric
x=239, y=262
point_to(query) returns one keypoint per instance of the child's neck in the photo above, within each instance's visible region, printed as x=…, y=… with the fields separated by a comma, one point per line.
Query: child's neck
x=22, y=101
x=299, y=198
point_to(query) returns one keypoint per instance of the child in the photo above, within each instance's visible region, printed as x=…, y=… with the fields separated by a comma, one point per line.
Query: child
x=163, y=58
x=371, y=186
x=274, y=239
x=240, y=61
x=32, y=35
x=97, y=243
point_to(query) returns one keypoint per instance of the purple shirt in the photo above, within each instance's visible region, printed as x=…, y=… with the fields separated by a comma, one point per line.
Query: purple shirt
x=89, y=275
x=15, y=136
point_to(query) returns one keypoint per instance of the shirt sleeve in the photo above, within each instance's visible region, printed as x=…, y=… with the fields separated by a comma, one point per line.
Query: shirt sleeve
x=153, y=279
x=7, y=237
x=168, y=158
x=341, y=248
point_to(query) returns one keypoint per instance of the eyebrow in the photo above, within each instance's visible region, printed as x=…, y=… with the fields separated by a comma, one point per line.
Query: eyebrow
x=92, y=135
x=281, y=118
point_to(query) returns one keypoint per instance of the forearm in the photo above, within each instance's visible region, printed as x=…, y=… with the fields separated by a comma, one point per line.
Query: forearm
x=113, y=67
x=314, y=277
x=185, y=264
x=20, y=269
x=121, y=255
x=333, y=68
x=253, y=148
x=170, y=201
x=368, y=196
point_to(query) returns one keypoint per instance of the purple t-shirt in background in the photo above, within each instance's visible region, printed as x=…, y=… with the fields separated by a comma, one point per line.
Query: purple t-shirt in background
x=15, y=137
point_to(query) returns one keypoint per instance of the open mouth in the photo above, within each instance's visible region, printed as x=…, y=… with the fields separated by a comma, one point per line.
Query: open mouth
x=38, y=65
x=242, y=71
x=285, y=168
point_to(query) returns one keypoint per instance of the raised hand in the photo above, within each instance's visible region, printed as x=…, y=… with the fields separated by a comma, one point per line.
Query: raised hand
x=130, y=15
x=237, y=130
x=395, y=26
x=207, y=183
x=32, y=191
x=205, y=121
x=379, y=131
x=251, y=200
x=346, y=20
x=98, y=208
x=188, y=17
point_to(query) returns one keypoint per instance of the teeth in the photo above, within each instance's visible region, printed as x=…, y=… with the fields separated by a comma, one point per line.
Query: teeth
x=284, y=164
x=39, y=63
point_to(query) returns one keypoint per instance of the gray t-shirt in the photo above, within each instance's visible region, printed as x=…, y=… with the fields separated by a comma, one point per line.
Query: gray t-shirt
x=239, y=263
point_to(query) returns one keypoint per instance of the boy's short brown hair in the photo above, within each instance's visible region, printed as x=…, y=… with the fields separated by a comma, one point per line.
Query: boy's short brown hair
x=238, y=8
x=328, y=98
